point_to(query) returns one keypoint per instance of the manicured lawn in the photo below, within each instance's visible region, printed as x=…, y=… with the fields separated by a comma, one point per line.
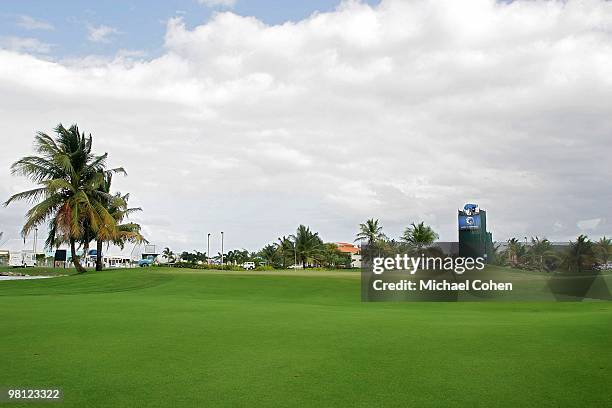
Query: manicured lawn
x=181, y=338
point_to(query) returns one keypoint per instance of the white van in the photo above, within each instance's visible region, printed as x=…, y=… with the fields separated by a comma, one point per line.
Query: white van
x=248, y=265
x=22, y=259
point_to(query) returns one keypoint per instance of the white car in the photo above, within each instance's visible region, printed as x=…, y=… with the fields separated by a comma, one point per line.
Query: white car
x=248, y=265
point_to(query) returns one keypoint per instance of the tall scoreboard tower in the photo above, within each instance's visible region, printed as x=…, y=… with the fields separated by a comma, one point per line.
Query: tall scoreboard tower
x=474, y=239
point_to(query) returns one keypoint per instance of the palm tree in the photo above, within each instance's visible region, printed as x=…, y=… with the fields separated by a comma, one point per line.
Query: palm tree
x=603, y=250
x=69, y=177
x=419, y=235
x=168, y=254
x=230, y=257
x=269, y=253
x=579, y=255
x=515, y=251
x=371, y=232
x=219, y=256
x=308, y=245
x=123, y=232
x=540, y=253
x=286, y=249
x=118, y=233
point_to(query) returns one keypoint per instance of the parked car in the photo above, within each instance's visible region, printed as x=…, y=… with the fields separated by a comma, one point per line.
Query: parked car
x=148, y=261
x=248, y=265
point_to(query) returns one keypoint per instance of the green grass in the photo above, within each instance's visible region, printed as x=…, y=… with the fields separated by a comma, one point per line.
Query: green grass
x=160, y=337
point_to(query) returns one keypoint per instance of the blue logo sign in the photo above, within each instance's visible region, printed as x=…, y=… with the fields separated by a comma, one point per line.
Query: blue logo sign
x=468, y=222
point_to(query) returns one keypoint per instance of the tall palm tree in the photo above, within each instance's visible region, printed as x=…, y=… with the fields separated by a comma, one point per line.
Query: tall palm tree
x=603, y=250
x=308, y=245
x=371, y=232
x=580, y=255
x=68, y=176
x=286, y=249
x=419, y=235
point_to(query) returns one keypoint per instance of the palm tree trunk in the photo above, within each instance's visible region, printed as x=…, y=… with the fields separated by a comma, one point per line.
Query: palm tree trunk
x=99, y=264
x=75, y=258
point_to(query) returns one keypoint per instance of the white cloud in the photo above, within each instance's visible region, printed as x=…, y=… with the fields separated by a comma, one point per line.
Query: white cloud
x=31, y=23
x=589, y=224
x=403, y=111
x=25, y=44
x=218, y=3
x=101, y=33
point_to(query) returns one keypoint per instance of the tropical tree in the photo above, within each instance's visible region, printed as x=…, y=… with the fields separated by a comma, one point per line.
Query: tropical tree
x=286, y=250
x=515, y=251
x=123, y=232
x=68, y=177
x=603, y=251
x=168, y=254
x=390, y=247
x=120, y=232
x=371, y=232
x=308, y=245
x=580, y=255
x=194, y=257
x=541, y=254
x=419, y=236
x=270, y=254
x=237, y=256
x=220, y=256
x=331, y=256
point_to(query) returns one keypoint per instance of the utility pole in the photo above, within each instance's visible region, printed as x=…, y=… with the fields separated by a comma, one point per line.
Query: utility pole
x=208, y=249
x=221, y=248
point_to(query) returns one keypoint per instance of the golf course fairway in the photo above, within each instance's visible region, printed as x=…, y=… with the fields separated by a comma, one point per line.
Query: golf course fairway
x=162, y=337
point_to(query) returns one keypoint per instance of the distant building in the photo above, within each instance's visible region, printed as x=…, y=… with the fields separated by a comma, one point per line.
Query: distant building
x=353, y=250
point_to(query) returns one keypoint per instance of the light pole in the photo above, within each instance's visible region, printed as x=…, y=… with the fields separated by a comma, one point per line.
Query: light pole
x=208, y=249
x=221, y=248
x=295, y=255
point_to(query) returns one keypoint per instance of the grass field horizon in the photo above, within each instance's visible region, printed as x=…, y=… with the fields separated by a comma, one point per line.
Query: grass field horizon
x=161, y=336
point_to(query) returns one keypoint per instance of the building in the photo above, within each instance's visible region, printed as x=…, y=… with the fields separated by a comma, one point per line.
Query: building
x=353, y=250
x=109, y=261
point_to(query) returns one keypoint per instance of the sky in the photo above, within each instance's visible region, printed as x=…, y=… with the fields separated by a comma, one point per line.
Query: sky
x=252, y=117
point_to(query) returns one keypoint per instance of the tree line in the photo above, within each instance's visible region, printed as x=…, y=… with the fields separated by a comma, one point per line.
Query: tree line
x=542, y=255
x=305, y=248
x=73, y=195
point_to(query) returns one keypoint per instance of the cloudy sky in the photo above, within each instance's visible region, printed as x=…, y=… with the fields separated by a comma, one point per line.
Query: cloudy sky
x=251, y=117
